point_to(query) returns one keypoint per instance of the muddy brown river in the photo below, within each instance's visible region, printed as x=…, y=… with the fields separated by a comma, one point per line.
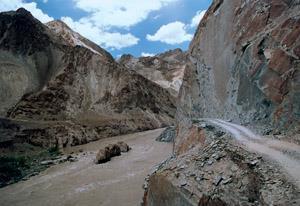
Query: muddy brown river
x=118, y=182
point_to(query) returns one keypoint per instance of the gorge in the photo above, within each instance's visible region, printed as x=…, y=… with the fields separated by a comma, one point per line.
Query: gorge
x=231, y=103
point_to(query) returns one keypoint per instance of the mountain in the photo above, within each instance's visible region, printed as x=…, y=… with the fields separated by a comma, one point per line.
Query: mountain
x=164, y=69
x=73, y=38
x=243, y=70
x=65, y=90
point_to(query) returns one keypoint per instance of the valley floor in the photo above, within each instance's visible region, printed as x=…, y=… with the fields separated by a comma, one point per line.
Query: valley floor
x=118, y=182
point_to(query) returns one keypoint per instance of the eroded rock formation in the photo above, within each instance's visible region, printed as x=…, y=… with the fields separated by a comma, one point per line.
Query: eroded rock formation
x=52, y=76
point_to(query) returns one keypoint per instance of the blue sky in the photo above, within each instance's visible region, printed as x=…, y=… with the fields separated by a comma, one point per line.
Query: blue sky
x=137, y=27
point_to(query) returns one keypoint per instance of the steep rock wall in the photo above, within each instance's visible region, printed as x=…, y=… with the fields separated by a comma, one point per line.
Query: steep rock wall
x=244, y=65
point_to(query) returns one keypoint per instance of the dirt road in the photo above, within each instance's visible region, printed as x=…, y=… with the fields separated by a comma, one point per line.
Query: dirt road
x=118, y=182
x=286, y=154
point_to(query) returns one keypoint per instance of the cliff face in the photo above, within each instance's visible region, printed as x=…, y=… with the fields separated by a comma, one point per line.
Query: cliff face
x=164, y=69
x=245, y=65
x=244, y=68
x=51, y=75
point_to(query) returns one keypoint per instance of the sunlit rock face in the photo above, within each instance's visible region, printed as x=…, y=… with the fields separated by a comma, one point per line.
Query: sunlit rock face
x=166, y=69
x=52, y=74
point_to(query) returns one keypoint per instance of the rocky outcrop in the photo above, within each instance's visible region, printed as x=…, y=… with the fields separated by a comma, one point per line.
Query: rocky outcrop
x=52, y=75
x=244, y=68
x=219, y=173
x=167, y=135
x=164, y=69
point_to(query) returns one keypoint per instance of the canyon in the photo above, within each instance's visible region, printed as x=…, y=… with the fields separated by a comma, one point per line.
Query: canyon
x=230, y=106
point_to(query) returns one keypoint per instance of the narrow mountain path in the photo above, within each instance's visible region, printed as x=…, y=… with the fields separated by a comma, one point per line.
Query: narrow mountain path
x=118, y=182
x=286, y=154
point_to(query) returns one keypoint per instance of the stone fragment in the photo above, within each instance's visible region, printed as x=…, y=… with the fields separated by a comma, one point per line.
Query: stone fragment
x=48, y=162
x=183, y=183
x=227, y=181
x=218, y=180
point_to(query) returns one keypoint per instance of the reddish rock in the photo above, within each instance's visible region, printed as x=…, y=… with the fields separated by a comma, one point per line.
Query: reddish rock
x=277, y=9
x=195, y=137
x=293, y=37
x=280, y=61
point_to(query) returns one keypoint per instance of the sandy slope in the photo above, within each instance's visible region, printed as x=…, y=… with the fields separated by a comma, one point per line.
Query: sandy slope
x=118, y=182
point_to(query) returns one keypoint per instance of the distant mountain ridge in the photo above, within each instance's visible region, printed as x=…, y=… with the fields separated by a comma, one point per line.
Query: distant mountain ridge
x=165, y=69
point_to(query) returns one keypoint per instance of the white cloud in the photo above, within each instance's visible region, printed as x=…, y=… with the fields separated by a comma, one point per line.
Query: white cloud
x=172, y=33
x=119, y=13
x=197, y=18
x=7, y=5
x=145, y=54
x=107, y=15
x=111, y=40
x=45, y=1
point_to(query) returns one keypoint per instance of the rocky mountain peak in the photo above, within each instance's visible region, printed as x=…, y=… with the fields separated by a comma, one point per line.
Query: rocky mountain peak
x=23, y=11
x=73, y=38
x=19, y=32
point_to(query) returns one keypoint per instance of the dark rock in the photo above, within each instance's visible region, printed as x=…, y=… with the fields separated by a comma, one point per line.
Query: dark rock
x=167, y=135
x=114, y=150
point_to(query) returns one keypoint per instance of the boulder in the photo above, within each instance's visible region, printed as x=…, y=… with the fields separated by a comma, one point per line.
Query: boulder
x=114, y=150
x=123, y=146
x=111, y=150
x=103, y=156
